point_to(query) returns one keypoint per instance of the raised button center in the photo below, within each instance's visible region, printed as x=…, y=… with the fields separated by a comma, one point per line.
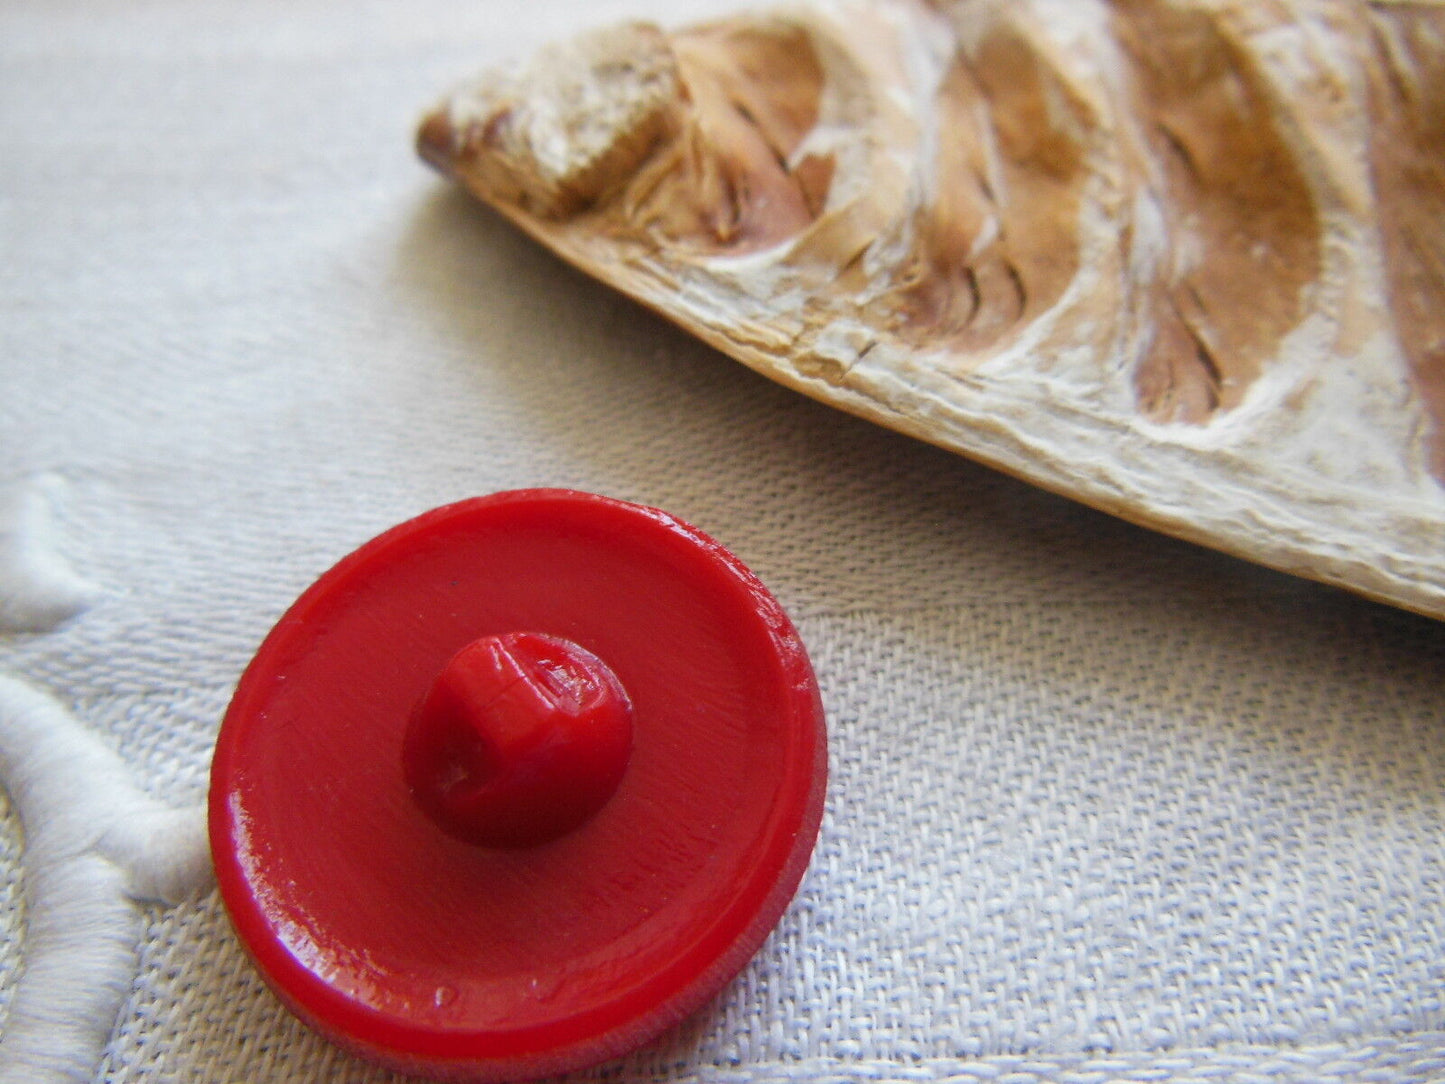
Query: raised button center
x=522, y=738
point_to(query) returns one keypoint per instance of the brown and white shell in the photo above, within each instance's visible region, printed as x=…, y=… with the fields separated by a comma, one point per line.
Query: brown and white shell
x=1182, y=260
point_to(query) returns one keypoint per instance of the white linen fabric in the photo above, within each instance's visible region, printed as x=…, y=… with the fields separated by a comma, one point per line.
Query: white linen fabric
x=1103, y=806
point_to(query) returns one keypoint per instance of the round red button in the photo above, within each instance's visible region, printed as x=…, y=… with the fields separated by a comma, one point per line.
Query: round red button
x=517, y=785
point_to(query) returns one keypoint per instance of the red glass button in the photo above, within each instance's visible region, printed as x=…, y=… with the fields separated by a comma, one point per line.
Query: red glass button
x=517, y=785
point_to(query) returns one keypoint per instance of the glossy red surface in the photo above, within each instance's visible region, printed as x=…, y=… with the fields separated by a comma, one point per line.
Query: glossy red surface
x=435, y=955
x=522, y=739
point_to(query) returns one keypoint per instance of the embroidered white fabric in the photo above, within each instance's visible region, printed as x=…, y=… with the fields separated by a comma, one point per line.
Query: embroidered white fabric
x=1104, y=806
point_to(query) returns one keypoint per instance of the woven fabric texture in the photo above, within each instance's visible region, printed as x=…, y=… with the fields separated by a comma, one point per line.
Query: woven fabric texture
x=1104, y=806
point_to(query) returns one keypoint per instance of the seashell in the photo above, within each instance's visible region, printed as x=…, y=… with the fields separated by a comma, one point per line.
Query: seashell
x=1182, y=260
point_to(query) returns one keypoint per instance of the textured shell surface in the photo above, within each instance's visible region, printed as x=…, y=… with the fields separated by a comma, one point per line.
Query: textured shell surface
x=1181, y=260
